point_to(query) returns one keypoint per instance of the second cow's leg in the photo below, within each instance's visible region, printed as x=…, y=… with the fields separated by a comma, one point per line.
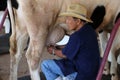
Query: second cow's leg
x=103, y=42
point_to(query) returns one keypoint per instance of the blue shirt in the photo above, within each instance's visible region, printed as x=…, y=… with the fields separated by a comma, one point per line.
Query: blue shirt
x=82, y=54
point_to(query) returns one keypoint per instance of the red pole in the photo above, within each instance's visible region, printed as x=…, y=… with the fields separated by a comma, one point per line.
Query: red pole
x=108, y=47
x=3, y=19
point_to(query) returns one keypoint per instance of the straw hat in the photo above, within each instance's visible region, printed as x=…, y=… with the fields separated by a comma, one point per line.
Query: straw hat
x=78, y=11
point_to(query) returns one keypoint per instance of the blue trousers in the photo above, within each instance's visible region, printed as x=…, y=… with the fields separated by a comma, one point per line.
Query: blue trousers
x=51, y=71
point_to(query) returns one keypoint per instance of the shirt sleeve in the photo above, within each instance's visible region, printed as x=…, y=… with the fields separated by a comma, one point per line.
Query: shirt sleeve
x=72, y=47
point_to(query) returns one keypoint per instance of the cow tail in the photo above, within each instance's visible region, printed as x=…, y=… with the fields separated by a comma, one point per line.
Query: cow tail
x=13, y=45
x=11, y=13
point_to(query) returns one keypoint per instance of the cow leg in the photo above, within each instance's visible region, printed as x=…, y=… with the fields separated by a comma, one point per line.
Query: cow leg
x=17, y=46
x=35, y=49
x=103, y=42
x=113, y=68
x=118, y=66
x=32, y=56
x=114, y=48
x=13, y=73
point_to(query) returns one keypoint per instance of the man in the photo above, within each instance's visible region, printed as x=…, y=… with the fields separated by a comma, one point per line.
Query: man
x=80, y=57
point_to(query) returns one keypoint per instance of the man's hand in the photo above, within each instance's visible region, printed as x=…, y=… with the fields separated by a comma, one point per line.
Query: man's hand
x=52, y=50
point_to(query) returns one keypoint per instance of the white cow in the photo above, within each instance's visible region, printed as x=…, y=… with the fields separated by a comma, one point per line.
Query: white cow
x=36, y=19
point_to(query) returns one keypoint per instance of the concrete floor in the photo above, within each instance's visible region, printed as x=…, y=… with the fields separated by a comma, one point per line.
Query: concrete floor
x=4, y=43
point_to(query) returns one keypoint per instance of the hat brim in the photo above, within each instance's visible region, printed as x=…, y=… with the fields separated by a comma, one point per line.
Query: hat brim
x=75, y=15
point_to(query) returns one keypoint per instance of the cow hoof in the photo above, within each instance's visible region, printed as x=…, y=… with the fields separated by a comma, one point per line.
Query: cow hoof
x=106, y=77
x=106, y=72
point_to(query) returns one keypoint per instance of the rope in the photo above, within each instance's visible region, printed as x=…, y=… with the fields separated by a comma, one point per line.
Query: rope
x=108, y=47
x=3, y=19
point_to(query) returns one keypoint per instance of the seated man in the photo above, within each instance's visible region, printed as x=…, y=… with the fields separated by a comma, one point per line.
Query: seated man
x=80, y=58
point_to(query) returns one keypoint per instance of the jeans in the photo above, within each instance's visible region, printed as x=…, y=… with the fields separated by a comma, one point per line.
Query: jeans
x=51, y=71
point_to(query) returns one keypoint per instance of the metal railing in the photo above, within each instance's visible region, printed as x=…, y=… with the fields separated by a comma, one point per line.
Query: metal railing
x=3, y=18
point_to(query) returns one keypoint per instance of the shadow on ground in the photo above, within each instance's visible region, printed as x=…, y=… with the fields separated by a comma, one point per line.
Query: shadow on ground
x=28, y=77
x=104, y=77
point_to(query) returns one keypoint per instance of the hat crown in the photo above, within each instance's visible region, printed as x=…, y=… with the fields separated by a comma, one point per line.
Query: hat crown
x=78, y=9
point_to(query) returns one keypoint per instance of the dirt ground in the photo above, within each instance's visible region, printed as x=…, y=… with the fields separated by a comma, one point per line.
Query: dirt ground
x=23, y=66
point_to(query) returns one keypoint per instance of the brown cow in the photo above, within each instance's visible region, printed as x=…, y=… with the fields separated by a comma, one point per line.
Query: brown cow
x=36, y=19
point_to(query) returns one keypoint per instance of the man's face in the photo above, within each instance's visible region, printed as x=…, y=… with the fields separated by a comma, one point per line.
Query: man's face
x=72, y=23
